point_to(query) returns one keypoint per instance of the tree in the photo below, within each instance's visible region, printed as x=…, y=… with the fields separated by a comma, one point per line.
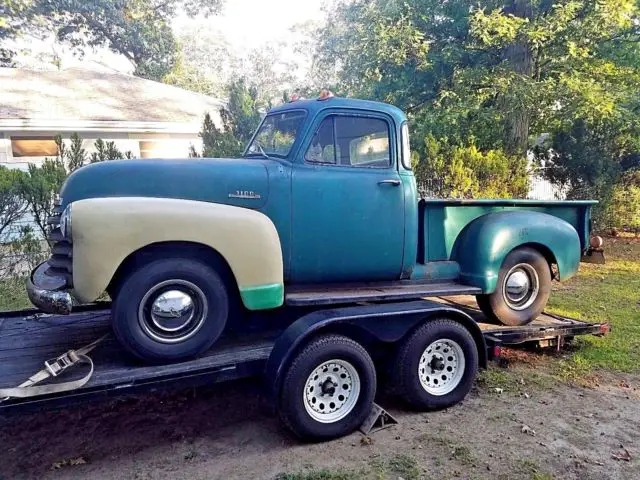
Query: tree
x=219, y=142
x=138, y=30
x=206, y=63
x=39, y=188
x=239, y=119
x=106, y=151
x=588, y=158
x=12, y=205
x=500, y=74
x=593, y=160
x=73, y=157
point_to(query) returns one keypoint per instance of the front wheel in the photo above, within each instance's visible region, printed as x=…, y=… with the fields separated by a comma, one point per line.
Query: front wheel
x=328, y=389
x=522, y=290
x=436, y=365
x=170, y=309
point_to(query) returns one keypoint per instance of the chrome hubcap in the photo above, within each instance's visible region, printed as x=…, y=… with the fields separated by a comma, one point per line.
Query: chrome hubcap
x=441, y=367
x=521, y=285
x=331, y=391
x=173, y=311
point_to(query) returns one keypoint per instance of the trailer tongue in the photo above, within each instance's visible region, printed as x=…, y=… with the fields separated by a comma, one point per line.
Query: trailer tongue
x=379, y=333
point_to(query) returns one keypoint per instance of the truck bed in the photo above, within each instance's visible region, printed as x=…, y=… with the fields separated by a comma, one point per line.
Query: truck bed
x=26, y=341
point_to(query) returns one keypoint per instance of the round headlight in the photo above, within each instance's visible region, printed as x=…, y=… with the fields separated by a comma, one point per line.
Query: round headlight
x=65, y=222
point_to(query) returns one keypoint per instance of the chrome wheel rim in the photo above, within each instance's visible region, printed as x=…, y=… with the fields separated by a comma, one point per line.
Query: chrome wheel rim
x=331, y=391
x=520, y=287
x=172, y=311
x=441, y=367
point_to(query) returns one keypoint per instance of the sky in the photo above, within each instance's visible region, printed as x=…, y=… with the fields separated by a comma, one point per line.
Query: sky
x=249, y=23
x=245, y=24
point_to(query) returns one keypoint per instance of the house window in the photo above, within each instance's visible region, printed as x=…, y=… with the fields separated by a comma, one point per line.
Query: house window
x=33, y=147
x=152, y=149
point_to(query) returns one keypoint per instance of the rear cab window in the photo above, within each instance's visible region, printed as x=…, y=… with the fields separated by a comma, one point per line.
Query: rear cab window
x=406, y=149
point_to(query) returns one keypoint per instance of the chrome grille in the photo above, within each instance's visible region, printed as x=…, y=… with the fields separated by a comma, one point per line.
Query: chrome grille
x=61, y=260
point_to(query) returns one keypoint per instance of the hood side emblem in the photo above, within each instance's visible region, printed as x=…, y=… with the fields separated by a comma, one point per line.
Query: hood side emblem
x=247, y=194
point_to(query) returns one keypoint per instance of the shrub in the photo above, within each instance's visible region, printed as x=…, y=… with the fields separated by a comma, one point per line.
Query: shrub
x=463, y=171
x=624, y=206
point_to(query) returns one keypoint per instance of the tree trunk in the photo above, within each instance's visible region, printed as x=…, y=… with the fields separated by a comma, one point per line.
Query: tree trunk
x=518, y=55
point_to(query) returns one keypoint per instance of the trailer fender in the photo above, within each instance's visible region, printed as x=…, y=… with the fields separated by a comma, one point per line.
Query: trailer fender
x=387, y=323
x=483, y=244
x=107, y=230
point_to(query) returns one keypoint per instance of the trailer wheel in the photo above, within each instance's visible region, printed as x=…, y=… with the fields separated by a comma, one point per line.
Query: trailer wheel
x=436, y=365
x=522, y=291
x=170, y=309
x=328, y=389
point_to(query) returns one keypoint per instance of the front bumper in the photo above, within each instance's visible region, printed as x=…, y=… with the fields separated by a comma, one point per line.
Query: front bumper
x=47, y=292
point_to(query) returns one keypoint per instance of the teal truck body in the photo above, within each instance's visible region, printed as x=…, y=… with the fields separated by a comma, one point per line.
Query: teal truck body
x=334, y=177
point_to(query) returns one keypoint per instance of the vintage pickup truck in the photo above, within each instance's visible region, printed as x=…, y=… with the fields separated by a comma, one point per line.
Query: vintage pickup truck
x=321, y=210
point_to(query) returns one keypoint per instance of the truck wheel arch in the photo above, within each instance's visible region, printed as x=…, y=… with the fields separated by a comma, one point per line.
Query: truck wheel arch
x=483, y=245
x=152, y=251
x=545, y=252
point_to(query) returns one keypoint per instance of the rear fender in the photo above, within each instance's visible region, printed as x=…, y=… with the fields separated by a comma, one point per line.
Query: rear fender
x=482, y=245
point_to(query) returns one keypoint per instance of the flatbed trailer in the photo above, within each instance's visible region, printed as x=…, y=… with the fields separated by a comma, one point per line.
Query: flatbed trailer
x=29, y=338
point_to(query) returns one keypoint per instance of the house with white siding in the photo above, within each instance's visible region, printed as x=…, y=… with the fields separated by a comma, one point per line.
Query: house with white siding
x=147, y=118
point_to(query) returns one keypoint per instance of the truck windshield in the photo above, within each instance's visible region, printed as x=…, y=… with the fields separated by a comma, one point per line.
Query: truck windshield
x=276, y=134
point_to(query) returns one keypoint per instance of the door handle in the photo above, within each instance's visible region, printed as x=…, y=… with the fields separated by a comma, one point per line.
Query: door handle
x=391, y=181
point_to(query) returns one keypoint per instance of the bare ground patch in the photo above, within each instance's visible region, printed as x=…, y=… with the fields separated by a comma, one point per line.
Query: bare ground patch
x=229, y=431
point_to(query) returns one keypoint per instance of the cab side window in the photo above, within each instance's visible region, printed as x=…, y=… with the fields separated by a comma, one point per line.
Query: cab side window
x=363, y=141
x=353, y=141
x=322, y=148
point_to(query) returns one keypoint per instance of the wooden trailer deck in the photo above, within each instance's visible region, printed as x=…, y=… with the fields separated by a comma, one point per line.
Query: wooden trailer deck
x=26, y=341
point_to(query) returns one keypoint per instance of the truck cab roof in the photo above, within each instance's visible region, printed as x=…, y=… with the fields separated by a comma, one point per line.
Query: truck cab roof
x=313, y=106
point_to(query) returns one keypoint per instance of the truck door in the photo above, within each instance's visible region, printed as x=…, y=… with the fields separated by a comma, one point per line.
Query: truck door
x=347, y=201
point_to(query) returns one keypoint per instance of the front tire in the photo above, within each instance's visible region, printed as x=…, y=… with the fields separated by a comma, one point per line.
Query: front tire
x=170, y=309
x=328, y=389
x=522, y=290
x=436, y=365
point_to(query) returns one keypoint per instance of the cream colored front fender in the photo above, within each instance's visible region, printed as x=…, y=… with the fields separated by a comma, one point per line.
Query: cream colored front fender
x=105, y=231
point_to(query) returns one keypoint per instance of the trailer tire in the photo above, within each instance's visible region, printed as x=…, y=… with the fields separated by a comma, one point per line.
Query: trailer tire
x=328, y=389
x=436, y=365
x=170, y=309
x=531, y=276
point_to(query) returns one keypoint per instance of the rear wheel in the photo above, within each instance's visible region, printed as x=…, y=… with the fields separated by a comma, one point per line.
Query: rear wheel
x=522, y=290
x=170, y=309
x=436, y=365
x=328, y=389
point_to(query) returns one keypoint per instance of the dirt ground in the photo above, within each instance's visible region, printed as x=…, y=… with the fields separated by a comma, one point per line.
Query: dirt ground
x=229, y=431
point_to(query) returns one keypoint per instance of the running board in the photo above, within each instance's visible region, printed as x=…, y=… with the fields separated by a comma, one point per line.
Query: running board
x=302, y=295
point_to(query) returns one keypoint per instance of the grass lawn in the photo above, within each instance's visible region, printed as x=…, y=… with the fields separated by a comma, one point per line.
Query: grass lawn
x=13, y=294
x=609, y=293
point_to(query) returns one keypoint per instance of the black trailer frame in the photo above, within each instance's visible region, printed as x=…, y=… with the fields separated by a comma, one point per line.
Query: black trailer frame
x=28, y=338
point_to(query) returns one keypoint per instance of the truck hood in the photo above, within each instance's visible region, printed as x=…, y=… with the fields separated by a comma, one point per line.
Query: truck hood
x=241, y=182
